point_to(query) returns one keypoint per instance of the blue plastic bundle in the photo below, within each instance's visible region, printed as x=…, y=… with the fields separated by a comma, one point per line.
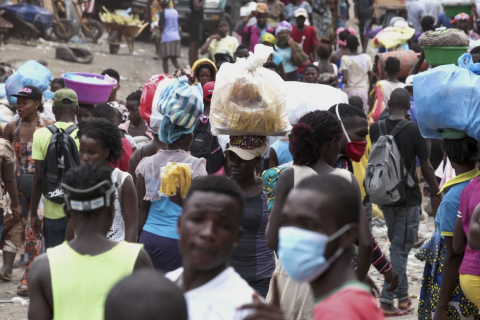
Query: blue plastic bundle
x=31, y=73
x=448, y=97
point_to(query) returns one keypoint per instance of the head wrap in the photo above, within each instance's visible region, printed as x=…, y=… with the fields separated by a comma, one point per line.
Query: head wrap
x=284, y=25
x=200, y=62
x=248, y=147
x=452, y=134
x=169, y=133
x=268, y=37
x=461, y=16
x=395, y=20
x=343, y=43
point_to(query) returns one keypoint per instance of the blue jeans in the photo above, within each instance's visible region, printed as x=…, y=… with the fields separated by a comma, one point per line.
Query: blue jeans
x=54, y=231
x=402, y=224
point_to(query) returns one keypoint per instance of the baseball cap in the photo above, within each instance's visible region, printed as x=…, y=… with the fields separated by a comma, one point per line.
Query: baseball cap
x=30, y=92
x=63, y=94
x=301, y=13
x=249, y=154
x=460, y=16
x=208, y=90
x=262, y=8
x=409, y=81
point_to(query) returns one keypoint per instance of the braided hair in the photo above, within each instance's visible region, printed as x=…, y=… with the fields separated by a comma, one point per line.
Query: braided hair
x=106, y=133
x=135, y=96
x=309, y=135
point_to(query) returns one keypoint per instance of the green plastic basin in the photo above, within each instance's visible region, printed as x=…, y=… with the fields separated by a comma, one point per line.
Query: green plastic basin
x=451, y=12
x=437, y=56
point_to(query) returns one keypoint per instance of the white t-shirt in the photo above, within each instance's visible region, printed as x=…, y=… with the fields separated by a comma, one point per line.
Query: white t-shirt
x=219, y=298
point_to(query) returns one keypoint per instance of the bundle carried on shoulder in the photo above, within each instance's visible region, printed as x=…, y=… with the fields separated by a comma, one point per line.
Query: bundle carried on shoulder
x=448, y=97
x=249, y=99
x=152, y=90
x=31, y=73
x=444, y=38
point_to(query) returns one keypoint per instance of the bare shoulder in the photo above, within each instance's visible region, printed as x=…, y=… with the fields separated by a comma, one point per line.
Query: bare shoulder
x=40, y=271
x=143, y=260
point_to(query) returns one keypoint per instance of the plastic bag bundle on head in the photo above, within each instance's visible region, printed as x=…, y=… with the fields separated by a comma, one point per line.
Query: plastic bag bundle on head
x=303, y=98
x=249, y=99
x=151, y=93
x=31, y=73
x=448, y=97
x=391, y=37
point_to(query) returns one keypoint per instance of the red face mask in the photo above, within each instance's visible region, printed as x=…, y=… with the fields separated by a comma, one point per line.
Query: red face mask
x=355, y=149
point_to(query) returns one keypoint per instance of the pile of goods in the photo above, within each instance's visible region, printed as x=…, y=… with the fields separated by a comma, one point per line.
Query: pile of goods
x=443, y=46
x=392, y=37
x=173, y=175
x=249, y=99
x=454, y=7
x=454, y=91
x=120, y=18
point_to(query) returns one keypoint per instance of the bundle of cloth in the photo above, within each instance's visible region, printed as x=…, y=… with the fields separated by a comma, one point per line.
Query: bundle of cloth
x=444, y=38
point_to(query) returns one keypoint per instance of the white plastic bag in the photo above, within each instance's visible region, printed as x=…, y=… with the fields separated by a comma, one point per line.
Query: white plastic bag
x=303, y=98
x=249, y=99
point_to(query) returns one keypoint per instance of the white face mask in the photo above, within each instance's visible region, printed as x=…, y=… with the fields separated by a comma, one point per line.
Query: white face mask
x=240, y=59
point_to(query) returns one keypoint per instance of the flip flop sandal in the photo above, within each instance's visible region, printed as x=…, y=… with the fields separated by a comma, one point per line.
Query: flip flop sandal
x=398, y=313
x=22, y=291
x=408, y=307
x=5, y=277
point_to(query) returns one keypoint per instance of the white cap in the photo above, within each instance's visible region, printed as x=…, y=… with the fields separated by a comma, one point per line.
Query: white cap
x=301, y=12
x=409, y=81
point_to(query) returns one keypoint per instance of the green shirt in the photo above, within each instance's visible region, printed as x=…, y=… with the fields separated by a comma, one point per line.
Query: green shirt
x=41, y=139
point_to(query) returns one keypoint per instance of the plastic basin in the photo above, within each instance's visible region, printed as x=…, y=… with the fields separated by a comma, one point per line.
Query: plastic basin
x=437, y=56
x=90, y=93
x=452, y=11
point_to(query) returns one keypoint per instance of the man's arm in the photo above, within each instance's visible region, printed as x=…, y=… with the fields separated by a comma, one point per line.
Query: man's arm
x=143, y=261
x=40, y=290
x=474, y=232
x=36, y=196
x=10, y=181
x=129, y=210
x=451, y=265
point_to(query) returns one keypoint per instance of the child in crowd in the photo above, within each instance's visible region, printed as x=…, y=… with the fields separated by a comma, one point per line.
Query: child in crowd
x=320, y=222
x=241, y=52
x=56, y=84
x=85, y=112
x=311, y=74
x=135, y=126
x=72, y=281
x=107, y=112
x=112, y=99
x=220, y=42
x=146, y=295
x=204, y=71
x=170, y=39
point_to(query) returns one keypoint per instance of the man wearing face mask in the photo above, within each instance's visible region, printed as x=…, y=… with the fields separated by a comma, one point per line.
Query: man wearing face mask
x=353, y=146
x=403, y=218
x=320, y=221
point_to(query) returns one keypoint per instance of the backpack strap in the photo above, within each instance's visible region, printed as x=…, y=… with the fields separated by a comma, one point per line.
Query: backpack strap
x=71, y=129
x=402, y=124
x=53, y=128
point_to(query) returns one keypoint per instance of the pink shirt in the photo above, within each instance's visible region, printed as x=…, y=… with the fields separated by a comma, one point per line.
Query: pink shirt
x=255, y=34
x=469, y=200
x=352, y=301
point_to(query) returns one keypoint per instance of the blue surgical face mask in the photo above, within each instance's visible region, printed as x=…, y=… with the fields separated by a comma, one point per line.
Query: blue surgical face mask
x=302, y=252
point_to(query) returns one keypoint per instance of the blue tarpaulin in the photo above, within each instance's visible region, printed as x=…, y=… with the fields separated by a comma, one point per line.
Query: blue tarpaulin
x=31, y=13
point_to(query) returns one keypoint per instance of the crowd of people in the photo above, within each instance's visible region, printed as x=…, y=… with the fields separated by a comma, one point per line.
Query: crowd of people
x=271, y=227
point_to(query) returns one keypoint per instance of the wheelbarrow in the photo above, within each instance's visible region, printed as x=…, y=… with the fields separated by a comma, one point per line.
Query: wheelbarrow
x=116, y=33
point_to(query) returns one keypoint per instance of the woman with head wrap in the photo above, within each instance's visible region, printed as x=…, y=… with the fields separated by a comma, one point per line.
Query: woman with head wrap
x=204, y=70
x=158, y=215
x=290, y=51
x=251, y=258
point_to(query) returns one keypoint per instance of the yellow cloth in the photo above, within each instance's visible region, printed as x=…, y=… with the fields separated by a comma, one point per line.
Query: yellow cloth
x=472, y=174
x=41, y=139
x=471, y=287
x=391, y=37
x=81, y=283
x=228, y=45
x=360, y=167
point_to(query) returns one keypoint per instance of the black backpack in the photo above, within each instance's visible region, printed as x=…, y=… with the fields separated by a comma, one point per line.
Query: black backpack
x=205, y=145
x=62, y=155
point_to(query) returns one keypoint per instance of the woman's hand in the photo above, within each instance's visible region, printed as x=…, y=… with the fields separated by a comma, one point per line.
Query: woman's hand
x=261, y=310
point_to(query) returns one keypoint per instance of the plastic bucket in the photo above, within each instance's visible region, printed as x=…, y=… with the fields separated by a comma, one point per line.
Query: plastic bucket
x=407, y=60
x=437, y=56
x=452, y=11
x=90, y=93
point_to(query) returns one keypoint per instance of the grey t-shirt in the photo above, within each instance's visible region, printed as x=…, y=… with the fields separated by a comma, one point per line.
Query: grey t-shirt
x=416, y=11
